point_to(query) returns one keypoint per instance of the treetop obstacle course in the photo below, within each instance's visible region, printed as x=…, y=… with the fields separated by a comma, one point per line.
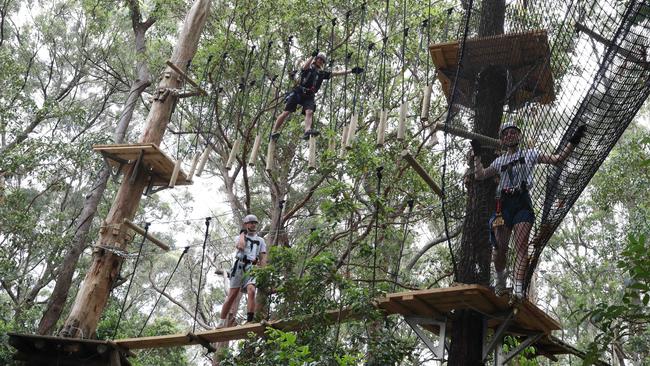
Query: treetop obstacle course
x=549, y=68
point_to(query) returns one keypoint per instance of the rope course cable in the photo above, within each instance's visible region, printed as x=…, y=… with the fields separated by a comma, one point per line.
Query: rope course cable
x=169, y=279
x=128, y=289
x=198, y=290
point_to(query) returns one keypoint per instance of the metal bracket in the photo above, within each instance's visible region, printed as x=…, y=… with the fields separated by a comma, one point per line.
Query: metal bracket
x=150, y=187
x=498, y=334
x=437, y=350
x=136, y=169
x=501, y=359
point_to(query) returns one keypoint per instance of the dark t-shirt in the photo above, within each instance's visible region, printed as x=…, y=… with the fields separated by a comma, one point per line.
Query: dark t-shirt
x=312, y=78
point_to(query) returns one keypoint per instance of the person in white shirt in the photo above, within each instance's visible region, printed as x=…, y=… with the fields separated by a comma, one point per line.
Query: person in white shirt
x=251, y=251
x=514, y=212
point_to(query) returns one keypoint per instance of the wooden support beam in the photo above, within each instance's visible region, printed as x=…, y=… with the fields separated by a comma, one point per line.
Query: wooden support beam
x=202, y=341
x=182, y=74
x=461, y=132
x=149, y=237
x=422, y=172
x=621, y=51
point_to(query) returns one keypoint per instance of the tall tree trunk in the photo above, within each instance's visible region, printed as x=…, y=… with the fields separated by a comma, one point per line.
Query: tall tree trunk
x=59, y=295
x=94, y=292
x=473, y=258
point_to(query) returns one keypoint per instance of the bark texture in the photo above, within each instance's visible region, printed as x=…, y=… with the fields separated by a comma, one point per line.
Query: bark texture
x=473, y=258
x=57, y=300
x=94, y=292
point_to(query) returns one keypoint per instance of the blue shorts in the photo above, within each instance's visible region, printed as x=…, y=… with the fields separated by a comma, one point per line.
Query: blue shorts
x=515, y=208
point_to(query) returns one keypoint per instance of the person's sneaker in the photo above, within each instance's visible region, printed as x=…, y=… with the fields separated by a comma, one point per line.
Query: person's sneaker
x=518, y=291
x=309, y=133
x=275, y=136
x=221, y=323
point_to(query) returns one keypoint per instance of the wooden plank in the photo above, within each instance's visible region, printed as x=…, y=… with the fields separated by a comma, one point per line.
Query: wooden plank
x=162, y=166
x=439, y=58
x=186, y=77
x=422, y=172
x=431, y=303
x=421, y=307
x=142, y=232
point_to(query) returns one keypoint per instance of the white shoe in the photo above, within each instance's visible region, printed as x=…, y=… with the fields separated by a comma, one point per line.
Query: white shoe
x=221, y=323
x=519, y=290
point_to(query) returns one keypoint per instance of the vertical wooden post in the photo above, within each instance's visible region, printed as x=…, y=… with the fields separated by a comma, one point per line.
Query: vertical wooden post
x=233, y=154
x=401, y=127
x=270, y=155
x=195, y=161
x=426, y=101
x=204, y=159
x=352, y=131
x=174, y=177
x=312, y=152
x=94, y=292
x=381, y=129
x=255, y=151
x=344, y=139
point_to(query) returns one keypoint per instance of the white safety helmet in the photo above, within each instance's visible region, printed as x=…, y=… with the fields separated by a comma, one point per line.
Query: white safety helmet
x=250, y=218
x=507, y=126
x=322, y=56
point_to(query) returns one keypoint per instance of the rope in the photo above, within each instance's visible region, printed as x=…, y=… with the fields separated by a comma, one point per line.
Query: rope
x=163, y=290
x=447, y=123
x=346, y=63
x=333, y=124
x=374, y=248
x=356, y=78
x=284, y=69
x=128, y=289
x=401, y=247
x=198, y=290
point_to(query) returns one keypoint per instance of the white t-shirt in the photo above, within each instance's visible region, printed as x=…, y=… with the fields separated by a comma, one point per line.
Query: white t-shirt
x=513, y=169
x=253, y=246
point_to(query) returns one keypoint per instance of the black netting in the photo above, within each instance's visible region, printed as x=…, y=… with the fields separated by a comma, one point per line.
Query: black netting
x=556, y=66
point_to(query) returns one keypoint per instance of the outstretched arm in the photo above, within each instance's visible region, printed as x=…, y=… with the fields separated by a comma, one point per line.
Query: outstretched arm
x=556, y=158
x=564, y=154
x=354, y=70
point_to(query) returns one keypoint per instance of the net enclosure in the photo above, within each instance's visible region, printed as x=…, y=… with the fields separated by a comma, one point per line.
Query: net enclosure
x=548, y=67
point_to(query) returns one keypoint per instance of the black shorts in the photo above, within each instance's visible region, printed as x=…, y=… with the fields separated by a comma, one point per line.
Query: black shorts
x=516, y=208
x=296, y=98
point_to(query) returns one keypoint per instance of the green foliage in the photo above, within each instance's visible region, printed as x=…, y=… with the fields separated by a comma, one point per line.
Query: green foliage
x=627, y=313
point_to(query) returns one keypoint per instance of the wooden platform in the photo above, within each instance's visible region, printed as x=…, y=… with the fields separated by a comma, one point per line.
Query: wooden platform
x=424, y=303
x=160, y=165
x=36, y=350
x=525, y=55
x=434, y=303
x=440, y=302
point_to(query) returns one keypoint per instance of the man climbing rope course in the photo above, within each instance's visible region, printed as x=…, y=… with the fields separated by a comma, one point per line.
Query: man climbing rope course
x=251, y=251
x=312, y=76
x=514, y=212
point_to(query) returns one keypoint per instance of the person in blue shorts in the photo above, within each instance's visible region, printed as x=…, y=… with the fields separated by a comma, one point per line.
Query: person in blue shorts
x=514, y=212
